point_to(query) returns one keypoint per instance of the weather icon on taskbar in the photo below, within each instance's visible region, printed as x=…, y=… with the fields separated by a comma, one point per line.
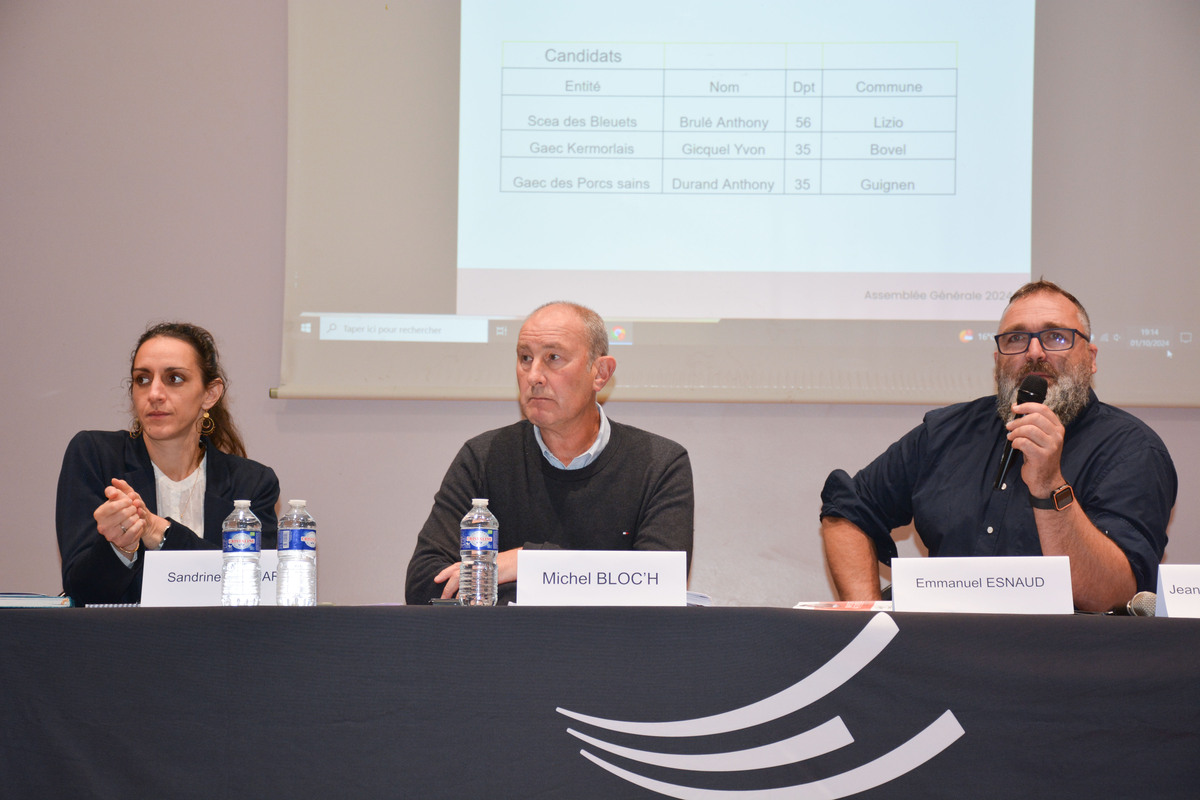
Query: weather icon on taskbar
x=966, y=335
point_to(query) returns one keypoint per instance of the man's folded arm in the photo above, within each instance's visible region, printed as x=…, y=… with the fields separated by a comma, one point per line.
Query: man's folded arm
x=438, y=542
x=853, y=562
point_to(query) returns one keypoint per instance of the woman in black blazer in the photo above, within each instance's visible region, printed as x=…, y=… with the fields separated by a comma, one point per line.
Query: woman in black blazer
x=166, y=483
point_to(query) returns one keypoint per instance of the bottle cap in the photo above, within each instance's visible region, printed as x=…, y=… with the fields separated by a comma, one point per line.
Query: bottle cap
x=479, y=501
x=241, y=503
x=297, y=503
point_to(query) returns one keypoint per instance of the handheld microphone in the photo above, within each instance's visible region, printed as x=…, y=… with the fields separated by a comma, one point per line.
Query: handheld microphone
x=1033, y=390
x=1143, y=604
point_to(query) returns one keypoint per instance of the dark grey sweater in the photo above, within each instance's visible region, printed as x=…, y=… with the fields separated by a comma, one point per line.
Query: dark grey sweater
x=636, y=495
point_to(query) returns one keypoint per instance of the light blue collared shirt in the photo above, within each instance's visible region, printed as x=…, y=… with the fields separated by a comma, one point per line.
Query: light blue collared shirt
x=587, y=456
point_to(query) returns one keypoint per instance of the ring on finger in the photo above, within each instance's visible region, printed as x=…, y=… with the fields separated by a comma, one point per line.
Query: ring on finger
x=123, y=530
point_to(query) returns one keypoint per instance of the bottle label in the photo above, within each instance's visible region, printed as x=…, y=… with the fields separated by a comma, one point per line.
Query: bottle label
x=240, y=541
x=297, y=539
x=479, y=539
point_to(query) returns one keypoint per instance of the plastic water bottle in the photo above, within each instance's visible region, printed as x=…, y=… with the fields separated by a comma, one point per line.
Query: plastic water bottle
x=296, y=584
x=480, y=539
x=241, y=540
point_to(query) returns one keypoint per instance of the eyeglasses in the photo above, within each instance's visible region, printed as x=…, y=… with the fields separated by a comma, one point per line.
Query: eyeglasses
x=1016, y=342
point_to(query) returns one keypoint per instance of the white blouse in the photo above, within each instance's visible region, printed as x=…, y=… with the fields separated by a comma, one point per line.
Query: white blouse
x=183, y=500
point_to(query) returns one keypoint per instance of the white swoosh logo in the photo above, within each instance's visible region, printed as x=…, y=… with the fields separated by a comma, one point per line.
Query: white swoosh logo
x=825, y=738
x=854, y=656
x=908, y=756
x=822, y=739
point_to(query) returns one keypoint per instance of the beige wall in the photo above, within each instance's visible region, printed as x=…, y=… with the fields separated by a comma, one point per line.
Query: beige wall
x=142, y=175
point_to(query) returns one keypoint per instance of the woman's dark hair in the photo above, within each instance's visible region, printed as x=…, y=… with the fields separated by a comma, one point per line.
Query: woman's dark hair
x=225, y=435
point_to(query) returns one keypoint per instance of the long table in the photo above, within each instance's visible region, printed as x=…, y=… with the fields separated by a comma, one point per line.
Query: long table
x=363, y=702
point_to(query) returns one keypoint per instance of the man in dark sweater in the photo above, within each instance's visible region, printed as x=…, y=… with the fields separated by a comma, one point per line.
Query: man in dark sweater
x=565, y=477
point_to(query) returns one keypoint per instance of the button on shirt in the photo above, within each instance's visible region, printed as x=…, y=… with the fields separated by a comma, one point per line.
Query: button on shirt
x=939, y=476
x=587, y=456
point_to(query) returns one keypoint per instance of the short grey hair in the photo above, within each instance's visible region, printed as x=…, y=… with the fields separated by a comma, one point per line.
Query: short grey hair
x=594, y=329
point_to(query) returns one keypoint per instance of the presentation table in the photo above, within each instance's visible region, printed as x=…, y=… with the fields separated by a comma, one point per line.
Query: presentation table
x=395, y=701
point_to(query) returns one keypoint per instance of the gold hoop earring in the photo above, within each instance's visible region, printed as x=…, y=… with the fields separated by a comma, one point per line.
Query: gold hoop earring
x=207, y=425
x=135, y=429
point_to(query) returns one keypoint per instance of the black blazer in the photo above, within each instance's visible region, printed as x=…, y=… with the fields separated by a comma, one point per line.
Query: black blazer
x=92, y=572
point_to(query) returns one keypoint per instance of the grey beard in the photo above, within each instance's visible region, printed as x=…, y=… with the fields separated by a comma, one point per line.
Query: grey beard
x=1066, y=398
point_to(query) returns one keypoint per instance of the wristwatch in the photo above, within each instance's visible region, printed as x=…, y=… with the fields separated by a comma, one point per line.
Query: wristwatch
x=1059, y=499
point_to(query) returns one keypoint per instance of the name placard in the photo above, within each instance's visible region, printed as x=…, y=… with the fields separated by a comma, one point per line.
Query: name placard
x=193, y=577
x=1178, y=591
x=601, y=578
x=983, y=585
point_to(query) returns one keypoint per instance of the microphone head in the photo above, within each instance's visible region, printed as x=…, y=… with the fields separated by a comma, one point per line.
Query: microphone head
x=1143, y=604
x=1033, y=390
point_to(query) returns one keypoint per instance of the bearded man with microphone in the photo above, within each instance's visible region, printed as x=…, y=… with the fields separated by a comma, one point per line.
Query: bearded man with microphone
x=1042, y=468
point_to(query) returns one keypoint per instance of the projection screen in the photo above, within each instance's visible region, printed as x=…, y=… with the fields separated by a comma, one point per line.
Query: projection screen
x=767, y=201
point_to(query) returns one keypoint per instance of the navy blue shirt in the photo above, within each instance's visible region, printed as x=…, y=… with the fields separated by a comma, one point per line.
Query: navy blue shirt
x=940, y=474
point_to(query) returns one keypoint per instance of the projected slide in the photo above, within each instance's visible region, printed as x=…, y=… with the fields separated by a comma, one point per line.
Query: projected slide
x=757, y=160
